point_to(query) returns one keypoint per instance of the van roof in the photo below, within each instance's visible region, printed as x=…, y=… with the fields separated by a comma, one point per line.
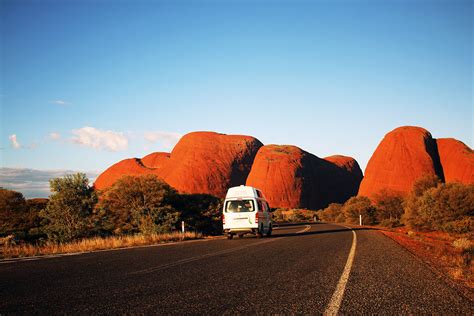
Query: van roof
x=244, y=191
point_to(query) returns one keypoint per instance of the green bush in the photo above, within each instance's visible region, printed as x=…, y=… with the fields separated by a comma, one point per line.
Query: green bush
x=447, y=207
x=67, y=214
x=200, y=212
x=389, y=208
x=332, y=213
x=141, y=204
x=359, y=205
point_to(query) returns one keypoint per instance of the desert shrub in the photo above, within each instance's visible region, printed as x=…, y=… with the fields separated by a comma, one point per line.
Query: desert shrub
x=200, y=212
x=389, y=208
x=295, y=216
x=68, y=211
x=447, y=207
x=137, y=205
x=332, y=213
x=279, y=216
x=13, y=211
x=425, y=183
x=411, y=204
x=359, y=205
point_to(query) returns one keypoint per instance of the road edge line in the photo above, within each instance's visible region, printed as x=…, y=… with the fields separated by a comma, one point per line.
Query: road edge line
x=336, y=299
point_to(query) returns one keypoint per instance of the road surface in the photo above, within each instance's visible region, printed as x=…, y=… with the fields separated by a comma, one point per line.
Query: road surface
x=307, y=269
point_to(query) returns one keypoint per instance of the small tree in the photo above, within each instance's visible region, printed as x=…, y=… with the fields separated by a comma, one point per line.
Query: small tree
x=359, y=205
x=413, y=201
x=67, y=215
x=139, y=204
x=201, y=212
x=332, y=213
x=448, y=207
x=389, y=207
x=13, y=210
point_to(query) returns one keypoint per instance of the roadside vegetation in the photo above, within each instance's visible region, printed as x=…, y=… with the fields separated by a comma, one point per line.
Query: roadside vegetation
x=76, y=218
x=285, y=215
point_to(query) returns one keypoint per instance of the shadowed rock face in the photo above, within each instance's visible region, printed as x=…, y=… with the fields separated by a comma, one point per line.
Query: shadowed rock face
x=293, y=178
x=131, y=167
x=344, y=180
x=403, y=156
x=457, y=160
x=208, y=162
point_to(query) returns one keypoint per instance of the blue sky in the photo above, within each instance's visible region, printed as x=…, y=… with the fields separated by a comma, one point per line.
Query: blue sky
x=85, y=84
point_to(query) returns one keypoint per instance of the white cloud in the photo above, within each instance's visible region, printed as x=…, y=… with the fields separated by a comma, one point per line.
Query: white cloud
x=61, y=102
x=54, y=136
x=100, y=139
x=166, y=139
x=14, y=141
x=34, y=183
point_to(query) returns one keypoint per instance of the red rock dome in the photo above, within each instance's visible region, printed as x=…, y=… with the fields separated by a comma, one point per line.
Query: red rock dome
x=403, y=156
x=131, y=167
x=156, y=160
x=457, y=160
x=293, y=178
x=208, y=162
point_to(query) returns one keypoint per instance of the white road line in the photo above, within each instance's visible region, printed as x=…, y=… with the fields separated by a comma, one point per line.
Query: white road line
x=213, y=254
x=336, y=299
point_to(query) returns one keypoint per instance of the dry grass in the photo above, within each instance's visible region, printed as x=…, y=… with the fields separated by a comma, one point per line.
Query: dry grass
x=91, y=244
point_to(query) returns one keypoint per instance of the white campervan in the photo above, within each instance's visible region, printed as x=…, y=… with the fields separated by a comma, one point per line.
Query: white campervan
x=246, y=211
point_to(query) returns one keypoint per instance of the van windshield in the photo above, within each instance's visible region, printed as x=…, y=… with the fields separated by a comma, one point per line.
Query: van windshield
x=239, y=206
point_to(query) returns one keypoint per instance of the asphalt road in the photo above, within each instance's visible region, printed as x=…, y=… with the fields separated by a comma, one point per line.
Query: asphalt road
x=301, y=270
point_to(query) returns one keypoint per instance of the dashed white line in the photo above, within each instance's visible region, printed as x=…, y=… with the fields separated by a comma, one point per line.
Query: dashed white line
x=336, y=299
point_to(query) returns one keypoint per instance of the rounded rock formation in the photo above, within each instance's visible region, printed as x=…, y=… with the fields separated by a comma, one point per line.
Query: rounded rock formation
x=457, y=160
x=403, y=156
x=293, y=178
x=345, y=179
x=278, y=171
x=210, y=163
x=156, y=160
x=131, y=167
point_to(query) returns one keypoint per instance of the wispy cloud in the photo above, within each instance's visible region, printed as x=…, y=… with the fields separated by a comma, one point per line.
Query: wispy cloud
x=60, y=102
x=166, y=139
x=14, y=141
x=54, y=136
x=100, y=139
x=33, y=183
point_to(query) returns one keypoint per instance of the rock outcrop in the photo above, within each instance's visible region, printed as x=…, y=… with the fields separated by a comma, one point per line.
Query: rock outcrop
x=208, y=162
x=403, y=156
x=293, y=178
x=131, y=167
x=156, y=160
x=457, y=160
x=344, y=179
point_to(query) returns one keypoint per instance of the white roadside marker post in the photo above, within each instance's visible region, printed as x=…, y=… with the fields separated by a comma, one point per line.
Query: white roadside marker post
x=182, y=227
x=360, y=219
